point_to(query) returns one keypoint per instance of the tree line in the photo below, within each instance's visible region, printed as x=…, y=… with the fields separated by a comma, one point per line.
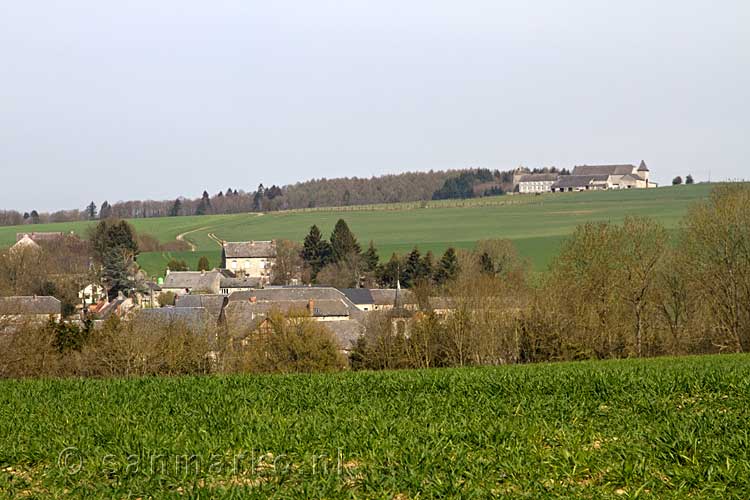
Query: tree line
x=346, y=191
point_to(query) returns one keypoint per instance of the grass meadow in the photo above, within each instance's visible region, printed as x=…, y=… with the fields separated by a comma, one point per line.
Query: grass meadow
x=659, y=428
x=537, y=224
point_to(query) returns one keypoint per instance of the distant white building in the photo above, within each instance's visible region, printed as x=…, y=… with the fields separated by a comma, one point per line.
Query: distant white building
x=536, y=183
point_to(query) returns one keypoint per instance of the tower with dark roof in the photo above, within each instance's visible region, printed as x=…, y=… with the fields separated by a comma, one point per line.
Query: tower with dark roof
x=643, y=171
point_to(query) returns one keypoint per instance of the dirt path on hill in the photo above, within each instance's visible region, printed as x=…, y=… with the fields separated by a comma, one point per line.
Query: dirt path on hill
x=215, y=239
x=181, y=237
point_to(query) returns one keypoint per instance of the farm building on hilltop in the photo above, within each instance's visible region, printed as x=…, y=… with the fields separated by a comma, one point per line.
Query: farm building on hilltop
x=584, y=178
x=536, y=183
x=592, y=177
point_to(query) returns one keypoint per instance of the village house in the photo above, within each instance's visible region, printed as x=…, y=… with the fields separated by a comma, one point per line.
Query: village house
x=91, y=294
x=249, y=259
x=195, y=319
x=213, y=304
x=185, y=282
x=248, y=312
x=229, y=285
x=360, y=297
x=36, y=309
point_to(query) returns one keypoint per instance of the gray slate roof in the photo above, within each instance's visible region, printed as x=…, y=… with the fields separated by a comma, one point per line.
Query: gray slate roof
x=192, y=317
x=193, y=280
x=240, y=282
x=573, y=181
x=301, y=294
x=321, y=308
x=29, y=306
x=387, y=296
x=539, y=178
x=249, y=249
x=358, y=295
x=642, y=167
x=346, y=332
x=289, y=293
x=213, y=304
x=603, y=169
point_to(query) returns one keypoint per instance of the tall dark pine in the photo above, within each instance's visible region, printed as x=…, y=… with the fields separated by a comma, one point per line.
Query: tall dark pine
x=343, y=242
x=412, y=269
x=176, y=208
x=204, y=205
x=316, y=252
x=115, y=247
x=447, y=269
x=388, y=273
x=371, y=259
x=427, y=267
x=91, y=211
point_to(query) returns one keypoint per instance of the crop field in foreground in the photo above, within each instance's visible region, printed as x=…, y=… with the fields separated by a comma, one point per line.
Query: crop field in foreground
x=536, y=224
x=662, y=428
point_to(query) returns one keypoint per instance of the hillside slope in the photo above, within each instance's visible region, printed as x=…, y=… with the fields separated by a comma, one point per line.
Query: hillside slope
x=537, y=224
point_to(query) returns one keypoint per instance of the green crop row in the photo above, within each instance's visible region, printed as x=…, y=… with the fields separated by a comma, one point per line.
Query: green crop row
x=662, y=428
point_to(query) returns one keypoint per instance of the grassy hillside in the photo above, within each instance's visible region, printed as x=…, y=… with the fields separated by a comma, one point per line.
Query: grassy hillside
x=537, y=224
x=664, y=428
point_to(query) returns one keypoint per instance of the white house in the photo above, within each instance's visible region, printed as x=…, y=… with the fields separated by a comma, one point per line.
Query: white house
x=536, y=183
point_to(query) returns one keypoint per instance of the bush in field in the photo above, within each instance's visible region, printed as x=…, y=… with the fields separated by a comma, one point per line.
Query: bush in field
x=177, y=265
x=291, y=344
x=203, y=264
x=167, y=299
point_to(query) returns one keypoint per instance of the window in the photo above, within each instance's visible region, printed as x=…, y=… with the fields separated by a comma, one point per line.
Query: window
x=234, y=264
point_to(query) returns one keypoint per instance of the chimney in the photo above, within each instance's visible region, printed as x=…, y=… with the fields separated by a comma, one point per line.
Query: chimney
x=311, y=307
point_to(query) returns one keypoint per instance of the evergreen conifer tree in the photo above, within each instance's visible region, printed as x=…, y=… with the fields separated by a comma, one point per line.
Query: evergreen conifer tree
x=343, y=242
x=316, y=252
x=371, y=259
x=447, y=269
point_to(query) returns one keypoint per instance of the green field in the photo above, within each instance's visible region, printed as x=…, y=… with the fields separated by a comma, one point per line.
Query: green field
x=663, y=428
x=537, y=224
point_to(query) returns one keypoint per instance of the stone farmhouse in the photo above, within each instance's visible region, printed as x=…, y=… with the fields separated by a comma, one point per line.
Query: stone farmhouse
x=590, y=177
x=185, y=282
x=249, y=259
x=587, y=178
x=36, y=309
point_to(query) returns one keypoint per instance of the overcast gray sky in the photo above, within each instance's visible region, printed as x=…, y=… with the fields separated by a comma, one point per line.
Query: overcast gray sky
x=143, y=99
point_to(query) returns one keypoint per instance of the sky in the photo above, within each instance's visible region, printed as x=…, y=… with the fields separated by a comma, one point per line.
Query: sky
x=153, y=100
